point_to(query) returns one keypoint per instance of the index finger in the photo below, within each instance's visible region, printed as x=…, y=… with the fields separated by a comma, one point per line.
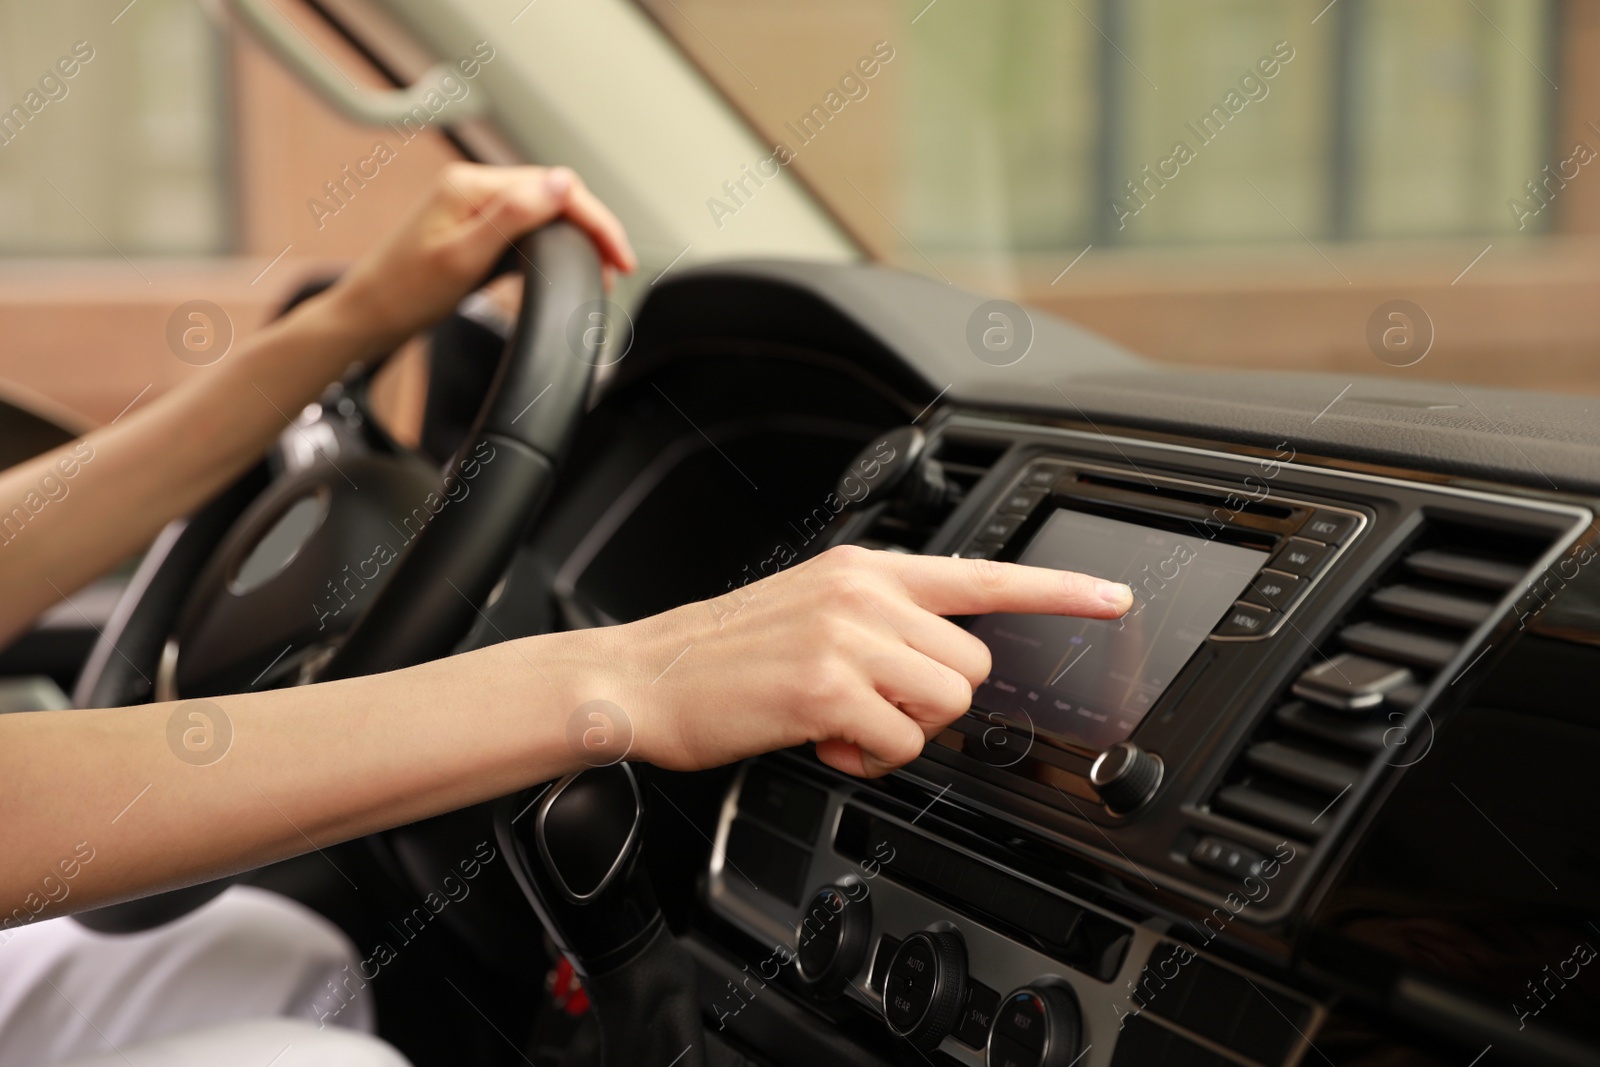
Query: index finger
x=948, y=586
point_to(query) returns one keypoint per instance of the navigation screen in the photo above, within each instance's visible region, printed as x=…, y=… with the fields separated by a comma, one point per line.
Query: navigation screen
x=1089, y=682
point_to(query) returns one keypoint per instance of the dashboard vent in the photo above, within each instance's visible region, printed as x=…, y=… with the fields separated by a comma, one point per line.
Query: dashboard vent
x=1348, y=708
x=959, y=462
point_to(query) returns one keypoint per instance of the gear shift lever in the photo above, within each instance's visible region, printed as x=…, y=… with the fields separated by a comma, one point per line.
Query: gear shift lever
x=577, y=849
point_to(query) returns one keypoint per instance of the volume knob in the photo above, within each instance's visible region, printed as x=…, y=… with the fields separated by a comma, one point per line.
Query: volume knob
x=832, y=938
x=1125, y=776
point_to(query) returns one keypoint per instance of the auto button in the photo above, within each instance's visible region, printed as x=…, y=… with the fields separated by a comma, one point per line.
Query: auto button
x=926, y=988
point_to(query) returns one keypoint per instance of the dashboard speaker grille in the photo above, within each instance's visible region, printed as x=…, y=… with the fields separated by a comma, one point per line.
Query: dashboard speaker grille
x=1349, y=707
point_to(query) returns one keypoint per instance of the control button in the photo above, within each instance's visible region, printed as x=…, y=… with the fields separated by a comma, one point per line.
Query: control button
x=832, y=938
x=915, y=965
x=1126, y=777
x=999, y=528
x=978, y=1016
x=1021, y=501
x=1021, y=1020
x=1037, y=1026
x=982, y=550
x=1246, y=620
x=1043, y=476
x=1330, y=527
x=904, y=1006
x=1223, y=856
x=926, y=988
x=1274, y=590
x=1301, y=557
x=1350, y=682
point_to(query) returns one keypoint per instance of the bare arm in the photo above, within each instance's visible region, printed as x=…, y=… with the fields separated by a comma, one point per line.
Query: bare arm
x=847, y=650
x=70, y=515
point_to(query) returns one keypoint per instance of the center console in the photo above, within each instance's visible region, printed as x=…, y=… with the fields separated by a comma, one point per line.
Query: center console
x=1144, y=844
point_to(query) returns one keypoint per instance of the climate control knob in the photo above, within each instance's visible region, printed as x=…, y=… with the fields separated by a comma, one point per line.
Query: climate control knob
x=832, y=938
x=1125, y=776
x=1037, y=1026
x=926, y=987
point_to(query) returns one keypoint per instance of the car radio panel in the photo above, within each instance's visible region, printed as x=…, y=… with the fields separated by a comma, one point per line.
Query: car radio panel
x=1288, y=621
x=1206, y=563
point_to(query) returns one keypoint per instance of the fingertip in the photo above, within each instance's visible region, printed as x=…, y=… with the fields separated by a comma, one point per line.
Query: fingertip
x=1116, y=594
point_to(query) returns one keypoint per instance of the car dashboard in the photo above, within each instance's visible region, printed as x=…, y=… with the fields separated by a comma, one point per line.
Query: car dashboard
x=1323, y=796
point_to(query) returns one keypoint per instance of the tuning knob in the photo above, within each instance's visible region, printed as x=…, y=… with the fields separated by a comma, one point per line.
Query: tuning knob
x=926, y=987
x=832, y=939
x=1037, y=1026
x=1125, y=776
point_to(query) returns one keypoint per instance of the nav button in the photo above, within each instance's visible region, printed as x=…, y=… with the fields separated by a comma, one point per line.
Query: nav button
x=1245, y=620
x=1021, y=501
x=1301, y=557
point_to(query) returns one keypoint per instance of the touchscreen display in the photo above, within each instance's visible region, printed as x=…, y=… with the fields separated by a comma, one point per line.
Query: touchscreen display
x=1089, y=682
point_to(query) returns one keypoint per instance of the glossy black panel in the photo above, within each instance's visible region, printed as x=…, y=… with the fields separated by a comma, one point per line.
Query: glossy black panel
x=1482, y=869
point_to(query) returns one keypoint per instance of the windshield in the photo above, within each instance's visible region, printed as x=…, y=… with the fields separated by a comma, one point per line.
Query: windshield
x=1351, y=186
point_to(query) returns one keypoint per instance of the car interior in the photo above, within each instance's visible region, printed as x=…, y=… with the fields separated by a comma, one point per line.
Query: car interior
x=1156, y=291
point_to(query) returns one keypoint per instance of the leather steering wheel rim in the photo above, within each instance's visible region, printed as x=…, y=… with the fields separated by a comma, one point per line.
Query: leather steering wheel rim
x=432, y=601
x=525, y=423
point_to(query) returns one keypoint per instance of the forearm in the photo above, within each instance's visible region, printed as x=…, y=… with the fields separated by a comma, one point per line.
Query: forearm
x=68, y=516
x=847, y=650
x=304, y=768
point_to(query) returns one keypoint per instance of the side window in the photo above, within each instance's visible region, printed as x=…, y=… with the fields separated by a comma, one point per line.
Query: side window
x=152, y=156
x=1241, y=182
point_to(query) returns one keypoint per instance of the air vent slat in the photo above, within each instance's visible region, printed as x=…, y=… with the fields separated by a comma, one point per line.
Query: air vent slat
x=1298, y=765
x=1302, y=766
x=1405, y=697
x=1433, y=605
x=1348, y=682
x=1302, y=718
x=1256, y=806
x=907, y=522
x=1394, y=643
x=1466, y=567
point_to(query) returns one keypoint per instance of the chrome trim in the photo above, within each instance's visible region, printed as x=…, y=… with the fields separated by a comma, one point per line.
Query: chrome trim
x=622, y=853
x=993, y=958
x=1068, y=464
x=166, y=686
x=1015, y=429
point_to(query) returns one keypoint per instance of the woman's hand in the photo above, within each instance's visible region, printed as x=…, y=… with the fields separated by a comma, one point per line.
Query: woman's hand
x=847, y=650
x=441, y=252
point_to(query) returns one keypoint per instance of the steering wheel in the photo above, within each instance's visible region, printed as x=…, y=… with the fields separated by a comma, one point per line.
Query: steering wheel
x=362, y=556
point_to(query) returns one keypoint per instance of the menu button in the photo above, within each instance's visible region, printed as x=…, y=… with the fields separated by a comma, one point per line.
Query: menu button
x=1246, y=620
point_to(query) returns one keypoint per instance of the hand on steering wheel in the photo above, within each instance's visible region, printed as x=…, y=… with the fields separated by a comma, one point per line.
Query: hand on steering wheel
x=442, y=250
